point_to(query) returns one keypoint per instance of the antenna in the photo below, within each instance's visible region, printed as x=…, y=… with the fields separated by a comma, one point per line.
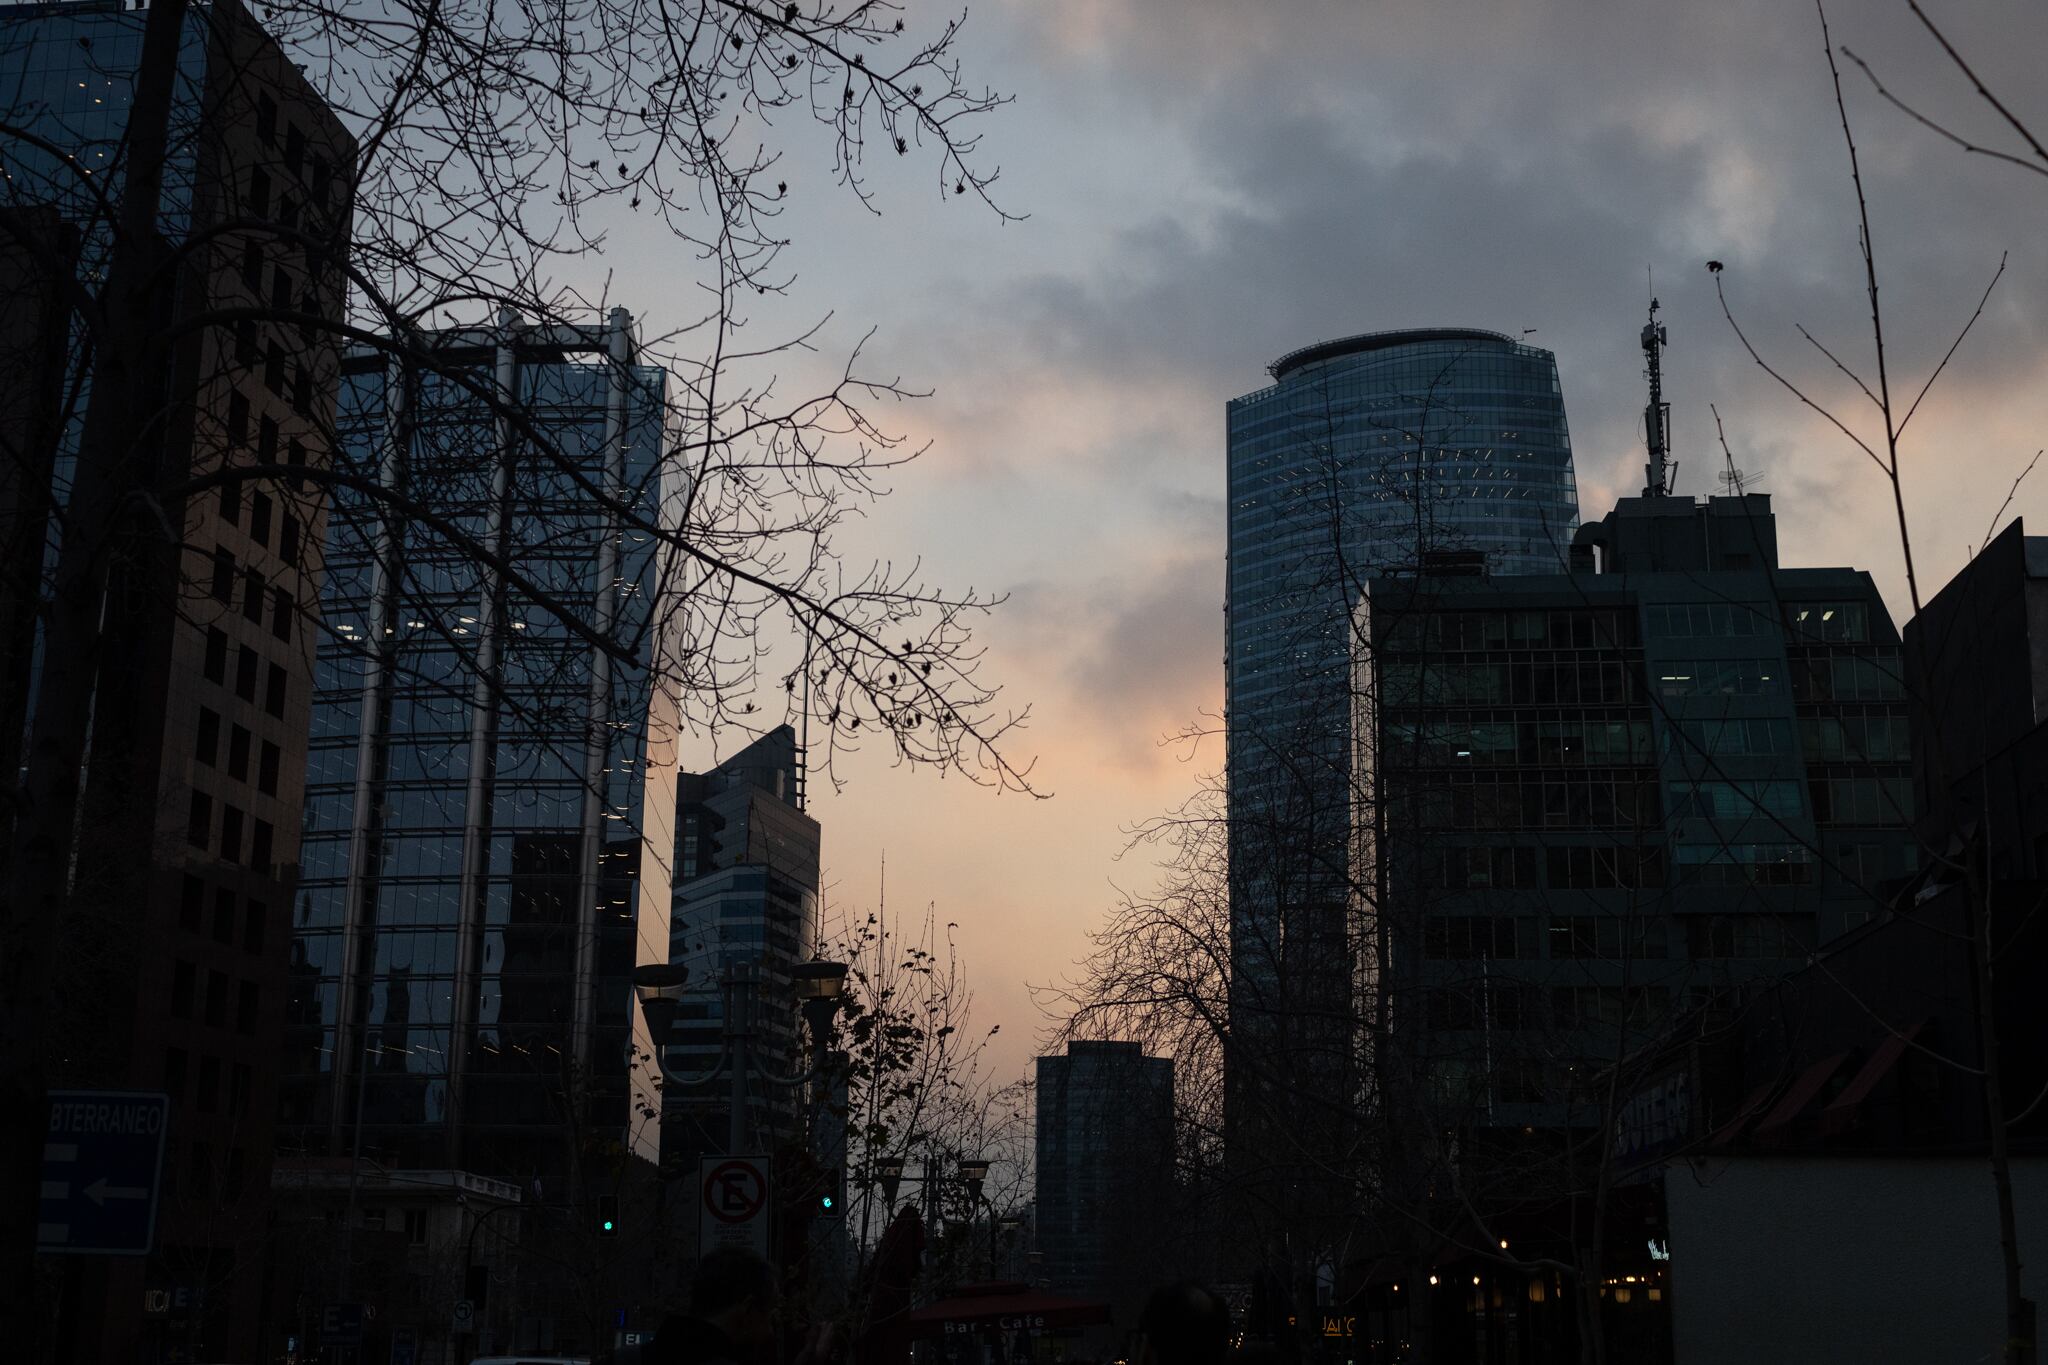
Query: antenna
x=1657, y=416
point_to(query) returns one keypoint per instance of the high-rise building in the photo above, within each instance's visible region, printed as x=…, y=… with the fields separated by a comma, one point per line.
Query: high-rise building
x=1104, y=1162
x=745, y=893
x=1366, y=455
x=187, y=841
x=1614, y=796
x=465, y=927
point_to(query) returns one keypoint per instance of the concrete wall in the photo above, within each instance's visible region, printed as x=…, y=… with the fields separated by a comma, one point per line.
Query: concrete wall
x=1794, y=1260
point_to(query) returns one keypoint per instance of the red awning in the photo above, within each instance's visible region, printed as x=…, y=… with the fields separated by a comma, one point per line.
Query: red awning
x=1800, y=1095
x=1004, y=1307
x=1751, y=1107
x=1842, y=1115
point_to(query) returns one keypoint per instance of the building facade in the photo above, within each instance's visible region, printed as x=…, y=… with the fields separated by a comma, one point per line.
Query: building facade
x=187, y=845
x=465, y=927
x=1105, y=1162
x=1365, y=456
x=745, y=892
x=1616, y=797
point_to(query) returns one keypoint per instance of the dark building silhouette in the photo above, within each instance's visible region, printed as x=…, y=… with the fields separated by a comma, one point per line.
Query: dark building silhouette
x=189, y=825
x=466, y=921
x=745, y=892
x=1612, y=795
x=1364, y=455
x=1105, y=1162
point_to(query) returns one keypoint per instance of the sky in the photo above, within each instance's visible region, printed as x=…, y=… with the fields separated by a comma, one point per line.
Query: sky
x=1207, y=184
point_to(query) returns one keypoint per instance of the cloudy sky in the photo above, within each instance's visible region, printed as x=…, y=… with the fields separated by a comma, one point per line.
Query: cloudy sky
x=1210, y=183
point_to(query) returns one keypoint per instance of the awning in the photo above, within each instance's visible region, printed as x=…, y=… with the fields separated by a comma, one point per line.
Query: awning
x=1751, y=1107
x=1006, y=1307
x=1798, y=1097
x=1843, y=1114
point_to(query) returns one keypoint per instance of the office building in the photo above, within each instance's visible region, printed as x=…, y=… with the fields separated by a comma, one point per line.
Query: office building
x=465, y=928
x=1105, y=1163
x=187, y=840
x=745, y=892
x=1366, y=455
x=1618, y=796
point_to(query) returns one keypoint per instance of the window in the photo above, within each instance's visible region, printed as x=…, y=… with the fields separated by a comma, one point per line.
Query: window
x=1602, y=867
x=199, y=1177
x=302, y=391
x=266, y=119
x=238, y=419
x=231, y=832
x=253, y=595
x=241, y=1080
x=266, y=441
x=281, y=289
x=259, y=845
x=1484, y=866
x=246, y=349
x=1862, y=800
x=252, y=927
x=1610, y=938
x=216, y=655
x=1749, y=936
x=1744, y=865
x=199, y=820
x=223, y=915
x=294, y=147
x=1468, y=938
x=295, y=456
x=273, y=369
x=288, y=530
x=216, y=998
x=206, y=738
x=191, y=903
x=416, y=1227
x=223, y=575
x=1720, y=678
x=231, y=501
x=266, y=769
x=1734, y=800
x=252, y=265
x=208, y=1097
x=322, y=181
x=246, y=999
x=259, y=519
x=235, y=1173
x=1846, y=623
x=1708, y=620
x=175, y=1063
x=183, y=978
x=259, y=193
x=238, y=753
x=1728, y=738
x=245, y=674
x=281, y=615
x=1856, y=739
x=273, y=696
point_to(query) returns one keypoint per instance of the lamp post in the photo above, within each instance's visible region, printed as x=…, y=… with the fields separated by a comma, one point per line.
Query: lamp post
x=821, y=986
x=974, y=1174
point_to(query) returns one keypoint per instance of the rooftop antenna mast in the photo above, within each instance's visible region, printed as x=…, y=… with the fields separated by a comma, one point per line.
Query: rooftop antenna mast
x=1657, y=416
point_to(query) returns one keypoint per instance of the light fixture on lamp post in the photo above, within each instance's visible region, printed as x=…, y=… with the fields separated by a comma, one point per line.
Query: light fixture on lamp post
x=974, y=1174
x=820, y=986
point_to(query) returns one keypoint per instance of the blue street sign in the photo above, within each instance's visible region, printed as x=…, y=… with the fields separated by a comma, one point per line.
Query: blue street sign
x=103, y=1152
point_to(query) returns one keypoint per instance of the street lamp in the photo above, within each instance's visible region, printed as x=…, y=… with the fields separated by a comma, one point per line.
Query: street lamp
x=974, y=1173
x=660, y=986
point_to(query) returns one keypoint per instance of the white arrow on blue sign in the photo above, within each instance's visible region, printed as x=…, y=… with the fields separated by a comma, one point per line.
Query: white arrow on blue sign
x=103, y=1154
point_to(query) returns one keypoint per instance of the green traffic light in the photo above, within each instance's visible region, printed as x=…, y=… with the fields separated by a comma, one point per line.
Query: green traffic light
x=828, y=1202
x=608, y=1225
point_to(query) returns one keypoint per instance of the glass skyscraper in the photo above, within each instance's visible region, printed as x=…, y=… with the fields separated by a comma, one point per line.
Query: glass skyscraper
x=1366, y=455
x=465, y=927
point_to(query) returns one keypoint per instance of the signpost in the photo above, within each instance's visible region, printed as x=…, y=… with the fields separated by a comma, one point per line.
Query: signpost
x=103, y=1152
x=733, y=1208
x=463, y=1321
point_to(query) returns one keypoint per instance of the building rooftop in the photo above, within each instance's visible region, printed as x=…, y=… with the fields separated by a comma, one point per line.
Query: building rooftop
x=1379, y=341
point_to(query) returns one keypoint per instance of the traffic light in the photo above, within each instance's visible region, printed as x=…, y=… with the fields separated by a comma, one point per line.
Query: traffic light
x=607, y=1215
x=831, y=1199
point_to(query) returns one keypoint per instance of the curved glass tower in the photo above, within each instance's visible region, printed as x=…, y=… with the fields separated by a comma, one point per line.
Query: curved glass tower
x=1369, y=455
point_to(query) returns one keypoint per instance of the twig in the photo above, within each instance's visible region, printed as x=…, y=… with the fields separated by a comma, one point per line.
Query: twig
x=1964, y=67
x=2010, y=494
x=1910, y=112
x=1995, y=277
